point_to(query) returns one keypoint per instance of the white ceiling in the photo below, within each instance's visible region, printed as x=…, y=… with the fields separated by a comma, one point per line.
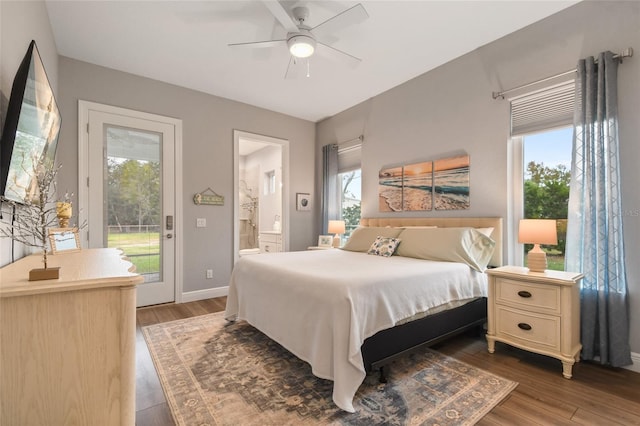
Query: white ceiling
x=185, y=43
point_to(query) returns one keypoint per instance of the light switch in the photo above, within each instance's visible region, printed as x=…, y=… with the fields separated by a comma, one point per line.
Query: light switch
x=201, y=222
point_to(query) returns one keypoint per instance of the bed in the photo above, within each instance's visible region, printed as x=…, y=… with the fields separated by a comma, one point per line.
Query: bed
x=346, y=312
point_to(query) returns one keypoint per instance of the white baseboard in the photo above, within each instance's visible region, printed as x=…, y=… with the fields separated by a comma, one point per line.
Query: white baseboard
x=209, y=293
x=635, y=357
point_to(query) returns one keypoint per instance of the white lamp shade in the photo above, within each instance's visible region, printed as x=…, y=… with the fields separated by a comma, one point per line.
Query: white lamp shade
x=301, y=46
x=336, y=227
x=538, y=231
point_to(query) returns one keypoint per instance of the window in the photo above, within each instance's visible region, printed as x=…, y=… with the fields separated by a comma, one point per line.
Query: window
x=541, y=148
x=547, y=172
x=270, y=182
x=350, y=184
x=350, y=198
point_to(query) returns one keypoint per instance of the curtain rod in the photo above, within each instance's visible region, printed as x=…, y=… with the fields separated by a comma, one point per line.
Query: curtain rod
x=359, y=138
x=626, y=53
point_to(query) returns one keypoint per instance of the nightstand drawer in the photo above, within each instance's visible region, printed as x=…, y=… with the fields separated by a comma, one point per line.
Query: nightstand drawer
x=538, y=298
x=529, y=329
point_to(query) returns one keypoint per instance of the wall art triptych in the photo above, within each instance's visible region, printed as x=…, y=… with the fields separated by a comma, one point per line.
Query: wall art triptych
x=441, y=185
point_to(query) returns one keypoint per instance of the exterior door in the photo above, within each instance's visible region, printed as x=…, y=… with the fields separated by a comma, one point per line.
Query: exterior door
x=131, y=195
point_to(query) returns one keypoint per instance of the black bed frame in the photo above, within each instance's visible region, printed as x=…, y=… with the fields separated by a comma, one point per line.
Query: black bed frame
x=386, y=345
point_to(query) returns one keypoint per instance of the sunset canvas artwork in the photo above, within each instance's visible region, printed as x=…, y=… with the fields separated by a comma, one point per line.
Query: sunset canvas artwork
x=451, y=183
x=417, y=186
x=390, y=189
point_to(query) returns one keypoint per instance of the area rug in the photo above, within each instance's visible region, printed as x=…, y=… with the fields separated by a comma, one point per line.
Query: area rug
x=216, y=373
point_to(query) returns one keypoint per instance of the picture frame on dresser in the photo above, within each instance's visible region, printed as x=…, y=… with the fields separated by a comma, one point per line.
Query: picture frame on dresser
x=64, y=240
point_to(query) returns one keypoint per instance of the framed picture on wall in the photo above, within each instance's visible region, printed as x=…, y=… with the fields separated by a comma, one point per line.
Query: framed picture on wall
x=417, y=186
x=303, y=201
x=451, y=183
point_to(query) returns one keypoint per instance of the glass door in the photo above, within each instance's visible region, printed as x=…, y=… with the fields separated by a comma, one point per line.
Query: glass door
x=131, y=197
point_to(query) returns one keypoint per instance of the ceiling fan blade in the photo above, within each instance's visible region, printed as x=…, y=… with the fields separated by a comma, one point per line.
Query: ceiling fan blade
x=279, y=12
x=258, y=44
x=351, y=16
x=338, y=55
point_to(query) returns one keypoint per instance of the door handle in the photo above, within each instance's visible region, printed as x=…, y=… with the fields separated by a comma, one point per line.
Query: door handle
x=169, y=236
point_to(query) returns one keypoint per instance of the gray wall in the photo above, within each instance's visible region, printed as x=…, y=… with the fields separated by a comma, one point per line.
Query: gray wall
x=208, y=123
x=21, y=22
x=445, y=111
x=450, y=110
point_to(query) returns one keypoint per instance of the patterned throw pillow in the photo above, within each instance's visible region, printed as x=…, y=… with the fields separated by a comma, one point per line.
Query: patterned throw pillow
x=384, y=246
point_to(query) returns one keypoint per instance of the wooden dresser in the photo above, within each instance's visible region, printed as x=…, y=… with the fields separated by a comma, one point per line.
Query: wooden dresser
x=536, y=311
x=67, y=346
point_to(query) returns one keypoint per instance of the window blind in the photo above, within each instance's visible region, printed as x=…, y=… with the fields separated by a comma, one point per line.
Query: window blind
x=544, y=109
x=349, y=156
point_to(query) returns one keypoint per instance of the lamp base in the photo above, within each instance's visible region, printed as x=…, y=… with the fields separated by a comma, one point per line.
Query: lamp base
x=537, y=261
x=336, y=241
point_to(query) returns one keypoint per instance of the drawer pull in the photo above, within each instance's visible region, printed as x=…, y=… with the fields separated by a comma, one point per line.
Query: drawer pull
x=524, y=326
x=523, y=293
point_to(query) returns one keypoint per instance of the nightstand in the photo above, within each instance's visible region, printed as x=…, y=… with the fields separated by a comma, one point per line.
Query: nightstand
x=536, y=311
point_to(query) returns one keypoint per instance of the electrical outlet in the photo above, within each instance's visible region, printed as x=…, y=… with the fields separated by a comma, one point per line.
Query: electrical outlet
x=209, y=273
x=201, y=222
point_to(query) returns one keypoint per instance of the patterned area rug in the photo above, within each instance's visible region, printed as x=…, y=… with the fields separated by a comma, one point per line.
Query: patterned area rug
x=215, y=373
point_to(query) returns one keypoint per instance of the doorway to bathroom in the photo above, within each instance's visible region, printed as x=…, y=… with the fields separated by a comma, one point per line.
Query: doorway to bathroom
x=260, y=207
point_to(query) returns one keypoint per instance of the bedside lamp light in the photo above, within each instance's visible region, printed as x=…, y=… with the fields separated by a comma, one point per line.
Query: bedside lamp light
x=536, y=232
x=336, y=227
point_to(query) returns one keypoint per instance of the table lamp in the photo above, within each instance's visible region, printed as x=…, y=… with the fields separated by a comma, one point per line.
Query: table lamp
x=536, y=232
x=336, y=227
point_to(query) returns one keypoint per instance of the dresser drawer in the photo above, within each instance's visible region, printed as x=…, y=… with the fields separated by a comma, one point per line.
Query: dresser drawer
x=537, y=298
x=528, y=329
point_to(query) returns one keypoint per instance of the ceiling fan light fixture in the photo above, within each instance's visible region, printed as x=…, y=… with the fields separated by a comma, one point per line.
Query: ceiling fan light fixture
x=301, y=46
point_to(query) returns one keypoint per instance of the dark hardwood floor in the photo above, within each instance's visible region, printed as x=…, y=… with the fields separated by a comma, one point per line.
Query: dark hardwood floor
x=594, y=396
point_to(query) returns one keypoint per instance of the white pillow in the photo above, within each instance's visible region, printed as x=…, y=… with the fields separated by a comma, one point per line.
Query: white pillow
x=465, y=245
x=486, y=231
x=363, y=236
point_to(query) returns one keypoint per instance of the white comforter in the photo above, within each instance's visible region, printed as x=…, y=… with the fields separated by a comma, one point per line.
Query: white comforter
x=321, y=305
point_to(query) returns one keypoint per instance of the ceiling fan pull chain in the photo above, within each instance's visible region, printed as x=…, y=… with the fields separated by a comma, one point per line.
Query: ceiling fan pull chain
x=308, y=68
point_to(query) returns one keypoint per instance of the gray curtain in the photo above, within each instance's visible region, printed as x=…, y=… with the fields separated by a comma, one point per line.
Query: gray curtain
x=594, y=232
x=330, y=208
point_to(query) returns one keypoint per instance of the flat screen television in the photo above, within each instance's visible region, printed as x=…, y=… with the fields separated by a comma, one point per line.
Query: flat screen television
x=30, y=134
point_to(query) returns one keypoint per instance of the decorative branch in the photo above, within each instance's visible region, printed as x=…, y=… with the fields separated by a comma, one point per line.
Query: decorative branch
x=32, y=219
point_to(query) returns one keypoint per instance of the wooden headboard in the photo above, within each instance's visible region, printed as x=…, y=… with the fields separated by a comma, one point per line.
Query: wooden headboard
x=447, y=222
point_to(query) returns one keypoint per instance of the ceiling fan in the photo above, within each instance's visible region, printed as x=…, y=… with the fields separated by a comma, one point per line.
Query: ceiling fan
x=302, y=40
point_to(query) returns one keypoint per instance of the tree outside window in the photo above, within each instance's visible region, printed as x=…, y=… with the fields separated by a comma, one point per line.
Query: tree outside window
x=350, y=199
x=546, y=187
